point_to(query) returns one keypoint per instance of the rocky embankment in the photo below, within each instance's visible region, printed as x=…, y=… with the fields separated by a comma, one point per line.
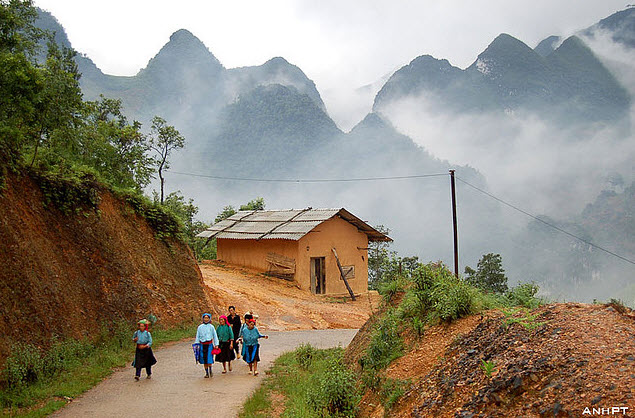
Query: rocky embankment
x=558, y=360
x=76, y=273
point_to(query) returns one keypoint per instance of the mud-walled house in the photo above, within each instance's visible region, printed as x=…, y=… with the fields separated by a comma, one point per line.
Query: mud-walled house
x=323, y=250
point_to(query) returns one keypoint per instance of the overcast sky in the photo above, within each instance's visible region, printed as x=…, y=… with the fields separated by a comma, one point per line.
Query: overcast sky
x=335, y=42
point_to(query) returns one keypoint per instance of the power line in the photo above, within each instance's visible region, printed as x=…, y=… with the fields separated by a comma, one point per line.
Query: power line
x=545, y=222
x=415, y=176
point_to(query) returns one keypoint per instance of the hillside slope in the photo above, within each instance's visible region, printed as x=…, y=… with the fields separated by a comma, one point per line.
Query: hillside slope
x=555, y=361
x=77, y=274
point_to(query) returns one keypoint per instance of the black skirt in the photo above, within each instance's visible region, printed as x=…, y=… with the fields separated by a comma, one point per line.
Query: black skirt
x=226, y=353
x=143, y=357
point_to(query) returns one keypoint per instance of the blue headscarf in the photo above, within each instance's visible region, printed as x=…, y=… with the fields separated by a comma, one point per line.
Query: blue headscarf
x=206, y=314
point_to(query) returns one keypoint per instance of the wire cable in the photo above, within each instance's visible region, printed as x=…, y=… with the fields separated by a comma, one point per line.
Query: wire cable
x=545, y=222
x=415, y=176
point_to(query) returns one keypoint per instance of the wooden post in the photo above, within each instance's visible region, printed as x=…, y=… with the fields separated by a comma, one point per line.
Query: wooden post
x=456, y=239
x=339, y=265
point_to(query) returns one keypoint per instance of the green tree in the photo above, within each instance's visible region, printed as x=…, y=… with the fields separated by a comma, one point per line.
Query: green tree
x=20, y=78
x=117, y=149
x=59, y=101
x=185, y=211
x=225, y=213
x=163, y=139
x=489, y=274
x=254, y=204
x=379, y=258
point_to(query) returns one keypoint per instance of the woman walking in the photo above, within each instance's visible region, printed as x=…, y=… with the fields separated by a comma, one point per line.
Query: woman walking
x=234, y=321
x=251, y=348
x=208, y=339
x=248, y=316
x=226, y=343
x=143, y=358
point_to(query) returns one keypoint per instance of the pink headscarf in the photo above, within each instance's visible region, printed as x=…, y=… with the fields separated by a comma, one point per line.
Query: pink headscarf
x=225, y=319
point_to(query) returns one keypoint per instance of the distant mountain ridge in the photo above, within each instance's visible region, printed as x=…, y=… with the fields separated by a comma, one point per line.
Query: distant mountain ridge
x=569, y=84
x=269, y=122
x=183, y=75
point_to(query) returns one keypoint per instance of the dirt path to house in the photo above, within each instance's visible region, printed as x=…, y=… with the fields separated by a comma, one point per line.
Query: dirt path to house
x=280, y=304
x=178, y=389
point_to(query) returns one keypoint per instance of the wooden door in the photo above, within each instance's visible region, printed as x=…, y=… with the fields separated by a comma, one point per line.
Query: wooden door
x=318, y=275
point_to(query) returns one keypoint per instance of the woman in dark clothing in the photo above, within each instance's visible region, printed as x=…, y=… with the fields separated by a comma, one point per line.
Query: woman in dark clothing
x=233, y=320
x=144, y=358
x=226, y=343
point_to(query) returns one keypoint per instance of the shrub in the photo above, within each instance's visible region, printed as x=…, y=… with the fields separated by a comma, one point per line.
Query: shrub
x=488, y=367
x=23, y=366
x=334, y=392
x=389, y=288
x=524, y=294
x=442, y=294
x=385, y=345
x=392, y=390
x=164, y=223
x=69, y=192
x=304, y=355
x=451, y=298
x=64, y=354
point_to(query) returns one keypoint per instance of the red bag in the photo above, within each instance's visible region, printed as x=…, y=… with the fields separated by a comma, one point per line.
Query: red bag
x=216, y=350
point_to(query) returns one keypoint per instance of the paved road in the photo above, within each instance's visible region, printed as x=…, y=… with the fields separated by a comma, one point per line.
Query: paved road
x=178, y=389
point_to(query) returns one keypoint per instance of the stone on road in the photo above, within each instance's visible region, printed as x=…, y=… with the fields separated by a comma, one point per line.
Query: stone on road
x=178, y=389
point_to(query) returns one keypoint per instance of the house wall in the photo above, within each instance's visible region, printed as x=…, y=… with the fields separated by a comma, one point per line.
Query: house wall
x=252, y=253
x=334, y=233
x=345, y=238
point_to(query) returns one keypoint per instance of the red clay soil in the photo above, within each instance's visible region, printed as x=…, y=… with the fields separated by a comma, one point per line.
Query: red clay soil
x=557, y=362
x=70, y=275
x=280, y=304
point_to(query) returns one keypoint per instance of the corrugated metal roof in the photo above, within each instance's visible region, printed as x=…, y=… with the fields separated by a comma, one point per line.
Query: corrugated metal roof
x=291, y=224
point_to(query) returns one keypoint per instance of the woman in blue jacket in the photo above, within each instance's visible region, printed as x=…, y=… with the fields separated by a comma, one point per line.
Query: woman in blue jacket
x=143, y=358
x=208, y=339
x=251, y=348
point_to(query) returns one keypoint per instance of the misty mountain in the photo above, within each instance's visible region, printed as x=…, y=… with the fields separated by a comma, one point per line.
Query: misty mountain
x=265, y=130
x=269, y=122
x=183, y=75
x=569, y=85
x=582, y=268
x=547, y=45
x=611, y=218
x=620, y=25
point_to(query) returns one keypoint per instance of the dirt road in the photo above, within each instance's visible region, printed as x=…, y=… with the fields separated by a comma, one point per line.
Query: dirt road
x=178, y=389
x=281, y=304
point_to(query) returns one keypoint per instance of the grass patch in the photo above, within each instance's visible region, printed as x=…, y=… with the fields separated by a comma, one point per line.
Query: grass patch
x=391, y=391
x=521, y=316
x=36, y=382
x=313, y=382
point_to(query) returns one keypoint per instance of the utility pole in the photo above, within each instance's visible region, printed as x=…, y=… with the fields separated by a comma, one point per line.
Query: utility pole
x=456, y=239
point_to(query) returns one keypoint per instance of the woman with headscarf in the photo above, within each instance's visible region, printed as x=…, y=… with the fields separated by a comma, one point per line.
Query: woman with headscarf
x=144, y=357
x=233, y=320
x=226, y=343
x=208, y=339
x=248, y=316
x=251, y=348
